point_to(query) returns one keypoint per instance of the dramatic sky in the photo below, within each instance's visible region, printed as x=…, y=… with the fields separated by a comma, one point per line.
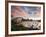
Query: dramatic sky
x=28, y=11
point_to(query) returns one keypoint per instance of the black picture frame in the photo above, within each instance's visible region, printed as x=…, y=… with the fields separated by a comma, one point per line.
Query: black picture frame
x=6, y=18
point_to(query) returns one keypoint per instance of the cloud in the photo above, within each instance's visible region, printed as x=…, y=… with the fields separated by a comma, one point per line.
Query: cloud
x=25, y=11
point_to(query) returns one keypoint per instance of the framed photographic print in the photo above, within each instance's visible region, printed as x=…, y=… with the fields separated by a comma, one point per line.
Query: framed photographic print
x=25, y=18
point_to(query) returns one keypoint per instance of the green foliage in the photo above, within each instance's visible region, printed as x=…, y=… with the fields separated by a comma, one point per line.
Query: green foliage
x=15, y=27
